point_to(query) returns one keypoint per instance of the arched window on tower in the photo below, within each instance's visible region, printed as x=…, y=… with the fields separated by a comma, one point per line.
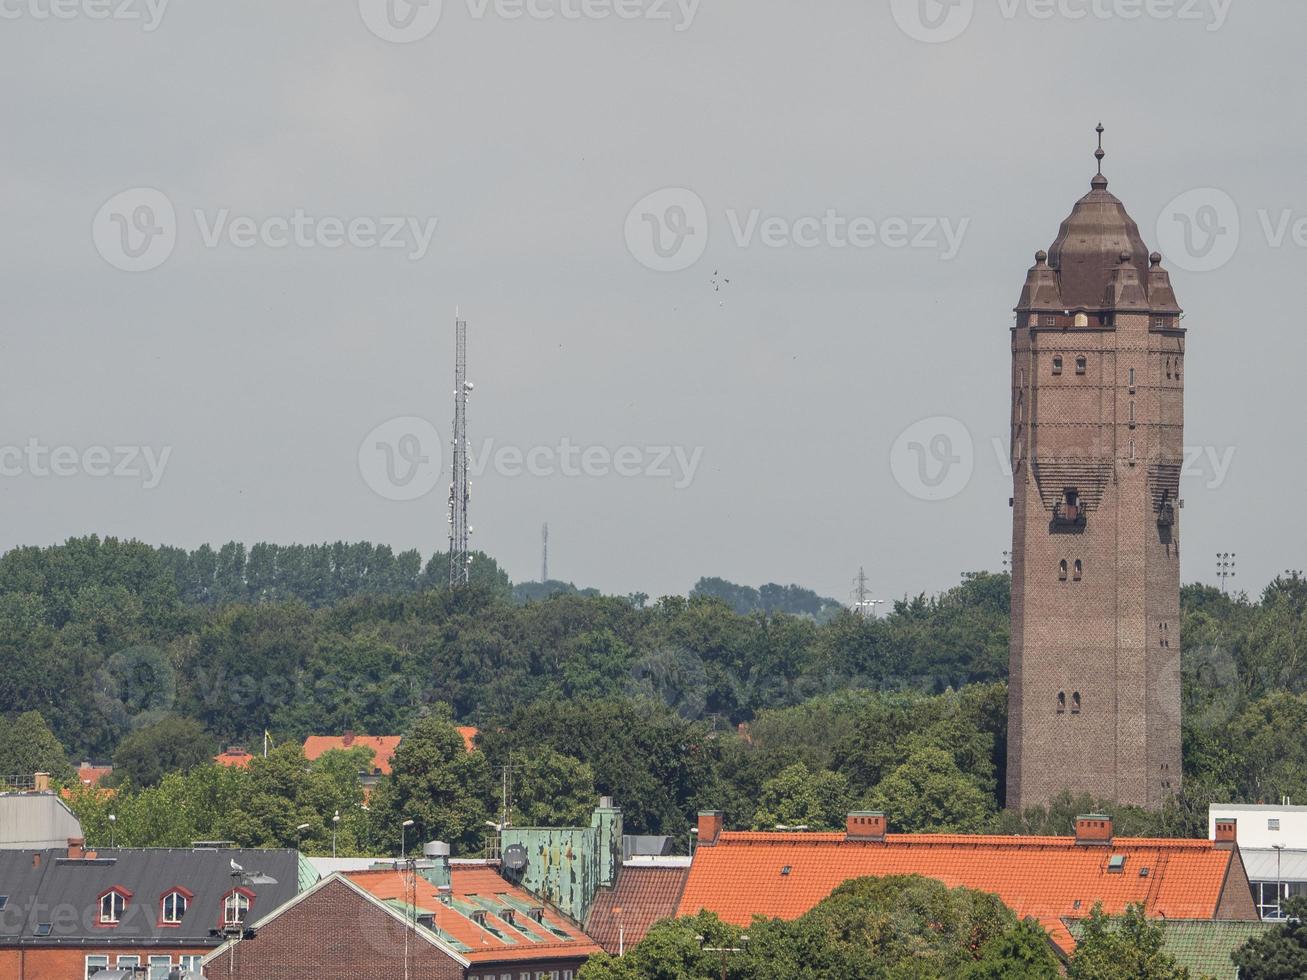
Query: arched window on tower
x=1057, y=364
x=1075, y=703
x=1061, y=570
x=1082, y=365
x=1061, y=702
x=1080, y=570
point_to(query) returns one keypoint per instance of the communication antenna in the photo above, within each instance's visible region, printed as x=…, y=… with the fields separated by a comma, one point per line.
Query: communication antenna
x=1225, y=567
x=544, y=553
x=460, y=490
x=863, y=604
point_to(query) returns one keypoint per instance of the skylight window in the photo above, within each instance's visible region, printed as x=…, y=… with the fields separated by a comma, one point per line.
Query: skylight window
x=1116, y=864
x=4, y=900
x=44, y=928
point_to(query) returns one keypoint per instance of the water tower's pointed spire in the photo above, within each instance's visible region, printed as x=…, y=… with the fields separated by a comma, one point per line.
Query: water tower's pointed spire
x=1100, y=181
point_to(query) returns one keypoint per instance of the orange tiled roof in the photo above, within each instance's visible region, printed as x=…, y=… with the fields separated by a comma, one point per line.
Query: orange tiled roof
x=481, y=887
x=234, y=758
x=469, y=736
x=1045, y=877
x=622, y=915
x=383, y=747
x=89, y=775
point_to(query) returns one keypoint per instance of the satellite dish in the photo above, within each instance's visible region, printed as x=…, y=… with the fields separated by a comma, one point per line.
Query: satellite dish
x=515, y=857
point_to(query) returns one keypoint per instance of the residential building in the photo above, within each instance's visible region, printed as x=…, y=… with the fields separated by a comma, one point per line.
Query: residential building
x=1097, y=445
x=783, y=875
x=35, y=820
x=648, y=890
x=383, y=748
x=69, y=912
x=336, y=930
x=234, y=757
x=1273, y=840
x=498, y=927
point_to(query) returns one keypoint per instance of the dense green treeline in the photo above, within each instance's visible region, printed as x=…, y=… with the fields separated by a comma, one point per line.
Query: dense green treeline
x=126, y=657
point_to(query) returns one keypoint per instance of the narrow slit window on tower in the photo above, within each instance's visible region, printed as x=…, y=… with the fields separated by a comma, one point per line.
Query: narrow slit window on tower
x=1132, y=415
x=1075, y=703
x=1080, y=570
x=1168, y=369
x=1061, y=702
x=1057, y=364
x=1061, y=570
x=1132, y=379
x=1082, y=365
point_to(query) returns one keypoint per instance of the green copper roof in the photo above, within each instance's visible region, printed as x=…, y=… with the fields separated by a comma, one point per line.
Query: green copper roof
x=1203, y=945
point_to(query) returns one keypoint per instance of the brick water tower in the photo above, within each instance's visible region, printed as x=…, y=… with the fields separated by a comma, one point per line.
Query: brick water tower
x=1097, y=447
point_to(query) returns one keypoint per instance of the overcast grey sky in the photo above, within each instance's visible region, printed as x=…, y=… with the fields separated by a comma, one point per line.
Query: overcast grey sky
x=916, y=173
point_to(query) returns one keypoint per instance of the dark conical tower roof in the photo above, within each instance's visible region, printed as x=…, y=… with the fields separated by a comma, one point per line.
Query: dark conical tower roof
x=1090, y=244
x=1082, y=268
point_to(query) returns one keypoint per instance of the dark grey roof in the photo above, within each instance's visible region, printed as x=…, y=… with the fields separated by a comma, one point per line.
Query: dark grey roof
x=46, y=887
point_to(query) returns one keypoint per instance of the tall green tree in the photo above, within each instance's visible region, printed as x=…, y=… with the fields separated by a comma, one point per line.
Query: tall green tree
x=797, y=796
x=27, y=746
x=172, y=744
x=1280, y=954
x=1127, y=946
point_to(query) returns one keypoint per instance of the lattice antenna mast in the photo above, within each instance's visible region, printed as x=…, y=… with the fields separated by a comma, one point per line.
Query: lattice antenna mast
x=460, y=489
x=544, y=553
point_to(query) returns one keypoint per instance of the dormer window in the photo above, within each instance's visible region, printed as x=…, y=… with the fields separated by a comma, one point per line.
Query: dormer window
x=174, y=906
x=1057, y=364
x=235, y=907
x=113, y=904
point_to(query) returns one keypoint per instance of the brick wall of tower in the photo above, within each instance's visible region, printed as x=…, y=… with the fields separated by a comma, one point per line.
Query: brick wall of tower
x=1091, y=637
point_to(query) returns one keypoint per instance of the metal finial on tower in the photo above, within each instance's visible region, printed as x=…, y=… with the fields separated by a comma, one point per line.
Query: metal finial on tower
x=460, y=490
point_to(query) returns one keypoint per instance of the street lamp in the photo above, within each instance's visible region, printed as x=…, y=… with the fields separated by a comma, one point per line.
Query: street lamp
x=113, y=819
x=335, y=824
x=299, y=834
x=403, y=837
x=725, y=951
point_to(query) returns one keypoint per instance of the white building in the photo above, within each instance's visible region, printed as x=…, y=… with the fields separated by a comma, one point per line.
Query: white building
x=1273, y=842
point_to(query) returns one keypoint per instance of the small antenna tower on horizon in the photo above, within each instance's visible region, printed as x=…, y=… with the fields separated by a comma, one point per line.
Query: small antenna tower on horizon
x=544, y=552
x=460, y=490
x=863, y=604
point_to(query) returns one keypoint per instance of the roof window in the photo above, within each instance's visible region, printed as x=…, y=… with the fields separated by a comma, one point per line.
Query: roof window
x=1116, y=864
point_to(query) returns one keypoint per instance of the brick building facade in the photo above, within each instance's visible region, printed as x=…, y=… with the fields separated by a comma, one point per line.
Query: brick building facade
x=1097, y=436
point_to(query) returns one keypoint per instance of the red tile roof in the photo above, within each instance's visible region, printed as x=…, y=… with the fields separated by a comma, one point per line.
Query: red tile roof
x=1045, y=877
x=481, y=887
x=234, y=757
x=90, y=775
x=622, y=915
x=469, y=736
x=383, y=747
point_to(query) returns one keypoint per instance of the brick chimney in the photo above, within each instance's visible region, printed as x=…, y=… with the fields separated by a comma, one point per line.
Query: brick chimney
x=710, y=827
x=867, y=825
x=41, y=782
x=76, y=848
x=1094, y=829
x=348, y=740
x=1227, y=833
